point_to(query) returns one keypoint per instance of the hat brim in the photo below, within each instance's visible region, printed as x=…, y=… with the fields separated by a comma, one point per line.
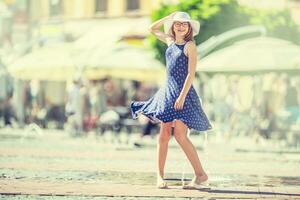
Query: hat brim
x=194, y=24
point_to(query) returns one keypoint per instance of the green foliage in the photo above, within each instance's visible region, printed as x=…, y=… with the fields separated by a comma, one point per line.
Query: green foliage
x=278, y=23
x=218, y=16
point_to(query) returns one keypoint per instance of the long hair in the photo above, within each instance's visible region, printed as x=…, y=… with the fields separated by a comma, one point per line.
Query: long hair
x=188, y=36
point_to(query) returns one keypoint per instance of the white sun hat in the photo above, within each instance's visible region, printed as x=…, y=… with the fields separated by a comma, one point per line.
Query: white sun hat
x=182, y=17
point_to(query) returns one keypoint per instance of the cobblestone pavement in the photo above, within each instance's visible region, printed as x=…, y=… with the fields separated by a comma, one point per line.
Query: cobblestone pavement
x=52, y=165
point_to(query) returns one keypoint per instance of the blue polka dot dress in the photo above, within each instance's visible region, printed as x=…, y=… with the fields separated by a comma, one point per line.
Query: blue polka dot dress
x=160, y=107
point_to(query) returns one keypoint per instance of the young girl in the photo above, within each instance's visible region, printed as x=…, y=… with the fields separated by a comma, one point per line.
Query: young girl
x=177, y=101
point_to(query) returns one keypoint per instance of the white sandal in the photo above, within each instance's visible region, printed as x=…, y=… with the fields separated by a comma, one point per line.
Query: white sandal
x=161, y=184
x=194, y=185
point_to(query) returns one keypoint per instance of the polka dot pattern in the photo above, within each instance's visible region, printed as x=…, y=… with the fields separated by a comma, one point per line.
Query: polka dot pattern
x=160, y=107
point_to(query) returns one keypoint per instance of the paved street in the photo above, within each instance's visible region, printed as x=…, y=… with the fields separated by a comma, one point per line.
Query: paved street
x=52, y=165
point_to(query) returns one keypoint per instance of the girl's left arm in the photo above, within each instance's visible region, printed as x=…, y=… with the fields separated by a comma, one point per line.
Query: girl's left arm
x=192, y=63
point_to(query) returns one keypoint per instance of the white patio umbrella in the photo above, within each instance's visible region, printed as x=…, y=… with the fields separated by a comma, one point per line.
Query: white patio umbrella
x=253, y=55
x=108, y=31
x=105, y=34
x=125, y=62
x=99, y=52
x=51, y=63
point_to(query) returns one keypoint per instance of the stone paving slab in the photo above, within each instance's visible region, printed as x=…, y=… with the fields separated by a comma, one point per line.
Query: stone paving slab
x=20, y=187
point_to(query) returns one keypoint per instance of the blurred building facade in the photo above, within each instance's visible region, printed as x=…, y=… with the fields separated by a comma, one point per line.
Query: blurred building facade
x=78, y=9
x=20, y=18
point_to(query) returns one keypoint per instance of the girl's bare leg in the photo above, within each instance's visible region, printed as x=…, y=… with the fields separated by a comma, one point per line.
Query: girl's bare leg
x=180, y=134
x=162, y=150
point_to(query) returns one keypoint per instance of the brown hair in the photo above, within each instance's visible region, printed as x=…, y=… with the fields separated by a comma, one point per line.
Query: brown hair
x=188, y=36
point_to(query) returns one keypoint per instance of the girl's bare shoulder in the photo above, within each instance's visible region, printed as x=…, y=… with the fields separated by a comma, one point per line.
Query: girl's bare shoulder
x=190, y=44
x=190, y=47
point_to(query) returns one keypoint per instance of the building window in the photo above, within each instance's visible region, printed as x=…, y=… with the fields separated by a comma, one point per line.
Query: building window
x=56, y=7
x=101, y=6
x=133, y=5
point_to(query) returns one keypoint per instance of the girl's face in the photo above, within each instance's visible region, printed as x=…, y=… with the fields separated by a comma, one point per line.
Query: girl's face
x=181, y=28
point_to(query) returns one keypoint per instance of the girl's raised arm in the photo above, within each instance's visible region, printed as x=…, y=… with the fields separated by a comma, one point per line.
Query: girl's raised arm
x=154, y=28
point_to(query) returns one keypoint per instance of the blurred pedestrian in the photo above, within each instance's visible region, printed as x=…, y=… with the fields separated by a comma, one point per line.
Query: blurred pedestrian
x=292, y=105
x=142, y=93
x=8, y=111
x=97, y=102
x=75, y=106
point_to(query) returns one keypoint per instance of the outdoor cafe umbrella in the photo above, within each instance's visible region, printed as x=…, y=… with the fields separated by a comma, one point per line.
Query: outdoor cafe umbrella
x=99, y=52
x=52, y=63
x=104, y=33
x=125, y=62
x=252, y=55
